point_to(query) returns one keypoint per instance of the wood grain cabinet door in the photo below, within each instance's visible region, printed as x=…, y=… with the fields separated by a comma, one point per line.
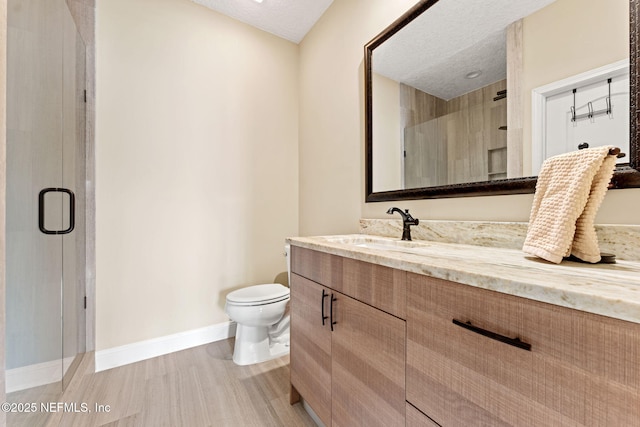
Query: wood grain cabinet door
x=368, y=366
x=311, y=345
x=581, y=369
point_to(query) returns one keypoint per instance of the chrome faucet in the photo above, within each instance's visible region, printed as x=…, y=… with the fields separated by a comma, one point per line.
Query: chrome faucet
x=407, y=222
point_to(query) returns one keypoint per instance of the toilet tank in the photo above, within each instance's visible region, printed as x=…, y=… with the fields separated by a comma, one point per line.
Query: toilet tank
x=287, y=254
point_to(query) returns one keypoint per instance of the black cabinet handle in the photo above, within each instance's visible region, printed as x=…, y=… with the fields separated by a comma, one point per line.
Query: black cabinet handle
x=72, y=210
x=333, y=322
x=324, y=295
x=494, y=336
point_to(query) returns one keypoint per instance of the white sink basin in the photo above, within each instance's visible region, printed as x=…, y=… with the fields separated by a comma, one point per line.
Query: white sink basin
x=382, y=244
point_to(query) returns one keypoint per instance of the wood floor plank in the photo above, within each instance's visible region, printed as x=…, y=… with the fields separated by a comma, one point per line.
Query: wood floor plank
x=197, y=387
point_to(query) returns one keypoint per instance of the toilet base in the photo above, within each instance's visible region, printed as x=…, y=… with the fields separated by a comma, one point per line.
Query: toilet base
x=254, y=346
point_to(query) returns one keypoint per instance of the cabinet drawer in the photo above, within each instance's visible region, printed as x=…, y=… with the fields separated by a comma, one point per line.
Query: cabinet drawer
x=320, y=267
x=381, y=287
x=376, y=285
x=582, y=369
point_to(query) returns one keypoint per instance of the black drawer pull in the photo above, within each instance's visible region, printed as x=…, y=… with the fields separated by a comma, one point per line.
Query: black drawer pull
x=511, y=341
x=324, y=295
x=333, y=322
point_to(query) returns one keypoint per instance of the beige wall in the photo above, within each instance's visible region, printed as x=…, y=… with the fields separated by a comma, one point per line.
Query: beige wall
x=332, y=134
x=332, y=113
x=196, y=173
x=566, y=38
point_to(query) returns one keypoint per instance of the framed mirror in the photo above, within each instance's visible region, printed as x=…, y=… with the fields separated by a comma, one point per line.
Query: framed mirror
x=467, y=98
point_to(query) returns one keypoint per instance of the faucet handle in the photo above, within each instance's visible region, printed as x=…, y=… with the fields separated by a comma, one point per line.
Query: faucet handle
x=407, y=221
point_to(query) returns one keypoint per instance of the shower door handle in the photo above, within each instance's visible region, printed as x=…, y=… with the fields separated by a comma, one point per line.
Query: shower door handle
x=41, y=210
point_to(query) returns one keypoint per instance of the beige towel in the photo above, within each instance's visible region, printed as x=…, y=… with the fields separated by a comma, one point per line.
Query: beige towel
x=569, y=192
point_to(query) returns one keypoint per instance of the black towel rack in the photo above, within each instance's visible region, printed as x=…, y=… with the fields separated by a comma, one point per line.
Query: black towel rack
x=612, y=152
x=591, y=113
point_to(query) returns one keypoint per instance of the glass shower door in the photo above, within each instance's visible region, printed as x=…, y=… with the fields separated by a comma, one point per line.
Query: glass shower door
x=74, y=178
x=45, y=202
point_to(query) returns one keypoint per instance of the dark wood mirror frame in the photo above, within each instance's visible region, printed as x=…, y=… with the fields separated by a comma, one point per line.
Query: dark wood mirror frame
x=626, y=176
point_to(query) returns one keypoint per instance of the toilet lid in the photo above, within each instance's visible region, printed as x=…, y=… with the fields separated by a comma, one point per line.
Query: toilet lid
x=259, y=294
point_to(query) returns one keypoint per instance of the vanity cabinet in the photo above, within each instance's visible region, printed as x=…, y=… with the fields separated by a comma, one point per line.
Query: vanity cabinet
x=469, y=361
x=351, y=372
x=409, y=349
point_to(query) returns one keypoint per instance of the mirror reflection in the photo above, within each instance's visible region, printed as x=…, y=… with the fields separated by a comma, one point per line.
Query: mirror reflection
x=475, y=91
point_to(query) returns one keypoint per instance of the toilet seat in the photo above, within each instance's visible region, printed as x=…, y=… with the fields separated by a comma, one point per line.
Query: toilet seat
x=259, y=294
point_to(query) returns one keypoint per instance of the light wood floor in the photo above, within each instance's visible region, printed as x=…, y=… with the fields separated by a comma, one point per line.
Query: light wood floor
x=192, y=388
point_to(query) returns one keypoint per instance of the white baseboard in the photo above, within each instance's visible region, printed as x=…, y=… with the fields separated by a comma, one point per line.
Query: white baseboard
x=130, y=353
x=36, y=375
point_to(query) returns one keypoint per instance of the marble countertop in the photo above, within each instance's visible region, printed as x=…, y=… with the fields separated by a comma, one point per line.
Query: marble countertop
x=611, y=290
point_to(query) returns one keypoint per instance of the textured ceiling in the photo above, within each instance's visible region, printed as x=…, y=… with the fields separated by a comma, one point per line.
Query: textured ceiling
x=452, y=38
x=289, y=19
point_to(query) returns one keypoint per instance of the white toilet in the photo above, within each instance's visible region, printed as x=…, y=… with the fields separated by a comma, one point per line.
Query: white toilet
x=262, y=331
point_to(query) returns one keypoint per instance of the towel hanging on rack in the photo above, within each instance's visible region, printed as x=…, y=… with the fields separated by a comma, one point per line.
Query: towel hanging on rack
x=569, y=191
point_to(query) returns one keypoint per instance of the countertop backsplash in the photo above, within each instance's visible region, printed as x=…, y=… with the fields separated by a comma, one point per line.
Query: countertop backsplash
x=621, y=240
